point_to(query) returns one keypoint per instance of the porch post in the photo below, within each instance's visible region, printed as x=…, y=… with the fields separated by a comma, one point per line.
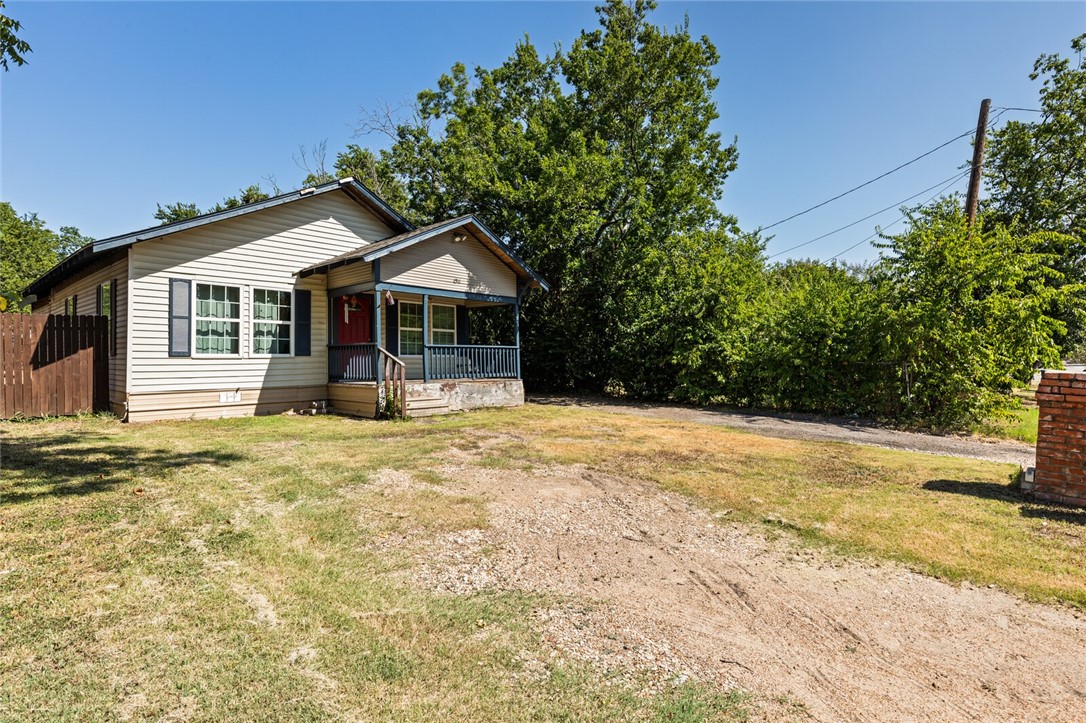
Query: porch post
x=425, y=337
x=516, y=331
x=380, y=375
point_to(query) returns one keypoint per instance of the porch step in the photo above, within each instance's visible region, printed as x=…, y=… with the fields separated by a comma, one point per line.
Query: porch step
x=426, y=406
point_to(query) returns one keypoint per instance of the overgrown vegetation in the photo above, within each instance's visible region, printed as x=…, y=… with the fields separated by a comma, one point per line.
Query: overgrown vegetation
x=227, y=569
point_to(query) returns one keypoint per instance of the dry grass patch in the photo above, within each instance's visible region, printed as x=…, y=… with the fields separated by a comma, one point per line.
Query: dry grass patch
x=957, y=518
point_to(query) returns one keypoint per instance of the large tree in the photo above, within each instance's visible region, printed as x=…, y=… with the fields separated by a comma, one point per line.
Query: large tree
x=586, y=161
x=1036, y=175
x=28, y=249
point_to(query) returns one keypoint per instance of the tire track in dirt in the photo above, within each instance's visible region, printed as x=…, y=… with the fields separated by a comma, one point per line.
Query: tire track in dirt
x=673, y=595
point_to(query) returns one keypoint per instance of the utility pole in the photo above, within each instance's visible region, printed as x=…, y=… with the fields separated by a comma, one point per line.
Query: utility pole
x=978, y=161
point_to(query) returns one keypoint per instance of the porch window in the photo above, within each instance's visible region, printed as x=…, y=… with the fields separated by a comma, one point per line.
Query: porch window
x=443, y=324
x=218, y=319
x=271, y=322
x=410, y=328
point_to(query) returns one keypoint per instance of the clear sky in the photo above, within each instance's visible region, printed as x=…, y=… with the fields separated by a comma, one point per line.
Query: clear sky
x=125, y=105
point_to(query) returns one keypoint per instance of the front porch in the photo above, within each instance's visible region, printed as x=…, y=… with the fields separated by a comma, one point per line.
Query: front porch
x=417, y=349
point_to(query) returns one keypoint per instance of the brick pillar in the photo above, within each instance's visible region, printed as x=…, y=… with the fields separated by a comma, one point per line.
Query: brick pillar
x=1061, y=439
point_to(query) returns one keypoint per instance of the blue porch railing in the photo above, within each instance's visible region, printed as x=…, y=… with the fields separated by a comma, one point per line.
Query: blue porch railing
x=352, y=362
x=473, y=362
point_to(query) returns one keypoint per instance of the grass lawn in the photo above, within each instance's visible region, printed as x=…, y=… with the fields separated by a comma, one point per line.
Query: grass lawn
x=1021, y=424
x=219, y=570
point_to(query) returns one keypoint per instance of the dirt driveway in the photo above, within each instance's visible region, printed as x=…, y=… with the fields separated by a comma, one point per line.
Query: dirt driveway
x=648, y=586
x=816, y=429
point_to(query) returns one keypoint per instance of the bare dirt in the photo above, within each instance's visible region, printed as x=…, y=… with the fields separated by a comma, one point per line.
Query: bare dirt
x=649, y=587
x=817, y=429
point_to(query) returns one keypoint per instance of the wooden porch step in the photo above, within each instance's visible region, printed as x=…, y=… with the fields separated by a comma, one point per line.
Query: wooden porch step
x=426, y=406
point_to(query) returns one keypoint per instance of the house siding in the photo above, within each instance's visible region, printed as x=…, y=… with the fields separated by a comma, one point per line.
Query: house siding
x=439, y=263
x=350, y=275
x=260, y=250
x=85, y=289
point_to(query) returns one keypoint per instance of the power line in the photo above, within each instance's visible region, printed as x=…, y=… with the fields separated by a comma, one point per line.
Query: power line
x=955, y=177
x=880, y=177
x=899, y=219
x=1027, y=110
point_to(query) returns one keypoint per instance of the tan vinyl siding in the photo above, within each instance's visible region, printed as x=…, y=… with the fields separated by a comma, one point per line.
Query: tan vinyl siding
x=438, y=263
x=207, y=404
x=350, y=275
x=261, y=250
x=85, y=288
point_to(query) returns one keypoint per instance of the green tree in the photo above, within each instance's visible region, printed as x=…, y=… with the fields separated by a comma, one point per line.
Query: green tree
x=585, y=161
x=29, y=249
x=12, y=48
x=252, y=194
x=173, y=212
x=1036, y=171
x=1036, y=175
x=970, y=313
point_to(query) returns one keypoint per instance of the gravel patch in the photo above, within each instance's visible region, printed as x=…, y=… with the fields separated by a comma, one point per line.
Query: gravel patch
x=653, y=590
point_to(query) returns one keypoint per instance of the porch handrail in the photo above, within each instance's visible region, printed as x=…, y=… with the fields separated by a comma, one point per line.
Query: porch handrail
x=471, y=361
x=393, y=383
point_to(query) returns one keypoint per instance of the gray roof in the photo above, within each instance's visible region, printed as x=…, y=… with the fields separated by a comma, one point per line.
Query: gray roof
x=101, y=249
x=373, y=251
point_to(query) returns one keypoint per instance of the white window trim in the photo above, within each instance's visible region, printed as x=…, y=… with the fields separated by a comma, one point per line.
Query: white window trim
x=252, y=321
x=241, y=320
x=400, y=328
x=433, y=328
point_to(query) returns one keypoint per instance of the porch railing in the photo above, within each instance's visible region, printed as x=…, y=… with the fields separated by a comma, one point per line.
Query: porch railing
x=352, y=362
x=473, y=362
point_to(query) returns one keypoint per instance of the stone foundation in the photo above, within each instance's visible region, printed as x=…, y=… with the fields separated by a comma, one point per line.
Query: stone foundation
x=463, y=395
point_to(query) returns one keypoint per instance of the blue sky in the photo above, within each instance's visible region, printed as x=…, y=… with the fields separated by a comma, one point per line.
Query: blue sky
x=125, y=105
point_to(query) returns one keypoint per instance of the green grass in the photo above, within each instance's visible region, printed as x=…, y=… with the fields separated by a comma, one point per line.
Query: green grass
x=1020, y=424
x=224, y=569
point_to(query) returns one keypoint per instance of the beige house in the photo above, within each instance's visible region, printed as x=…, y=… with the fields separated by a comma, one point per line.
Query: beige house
x=305, y=297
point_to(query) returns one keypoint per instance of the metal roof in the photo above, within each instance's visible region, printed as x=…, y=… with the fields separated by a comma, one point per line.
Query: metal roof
x=372, y=252
x=96, y=250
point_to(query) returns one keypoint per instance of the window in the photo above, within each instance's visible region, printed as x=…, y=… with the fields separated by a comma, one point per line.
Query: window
x=442, y=324
x=105, y=308
x=69, y=306
x=218, y=319
x=410, y=328
x=271, y=322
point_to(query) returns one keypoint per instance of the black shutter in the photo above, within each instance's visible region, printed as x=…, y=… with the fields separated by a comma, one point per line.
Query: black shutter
x=462, y=328
x=303, y=322
x=75, y=305
x=113, y=317
x=180, y=317
x=392, y=338
x=98, y=301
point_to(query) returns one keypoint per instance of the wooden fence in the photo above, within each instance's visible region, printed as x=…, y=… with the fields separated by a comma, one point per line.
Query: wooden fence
x=53, y=365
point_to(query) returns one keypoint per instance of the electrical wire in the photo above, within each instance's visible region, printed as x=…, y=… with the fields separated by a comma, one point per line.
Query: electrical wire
x=900, y=218
x=884, y=175
x=955, y=177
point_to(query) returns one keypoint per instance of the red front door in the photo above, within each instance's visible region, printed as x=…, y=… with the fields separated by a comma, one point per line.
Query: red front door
x=354, y=319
